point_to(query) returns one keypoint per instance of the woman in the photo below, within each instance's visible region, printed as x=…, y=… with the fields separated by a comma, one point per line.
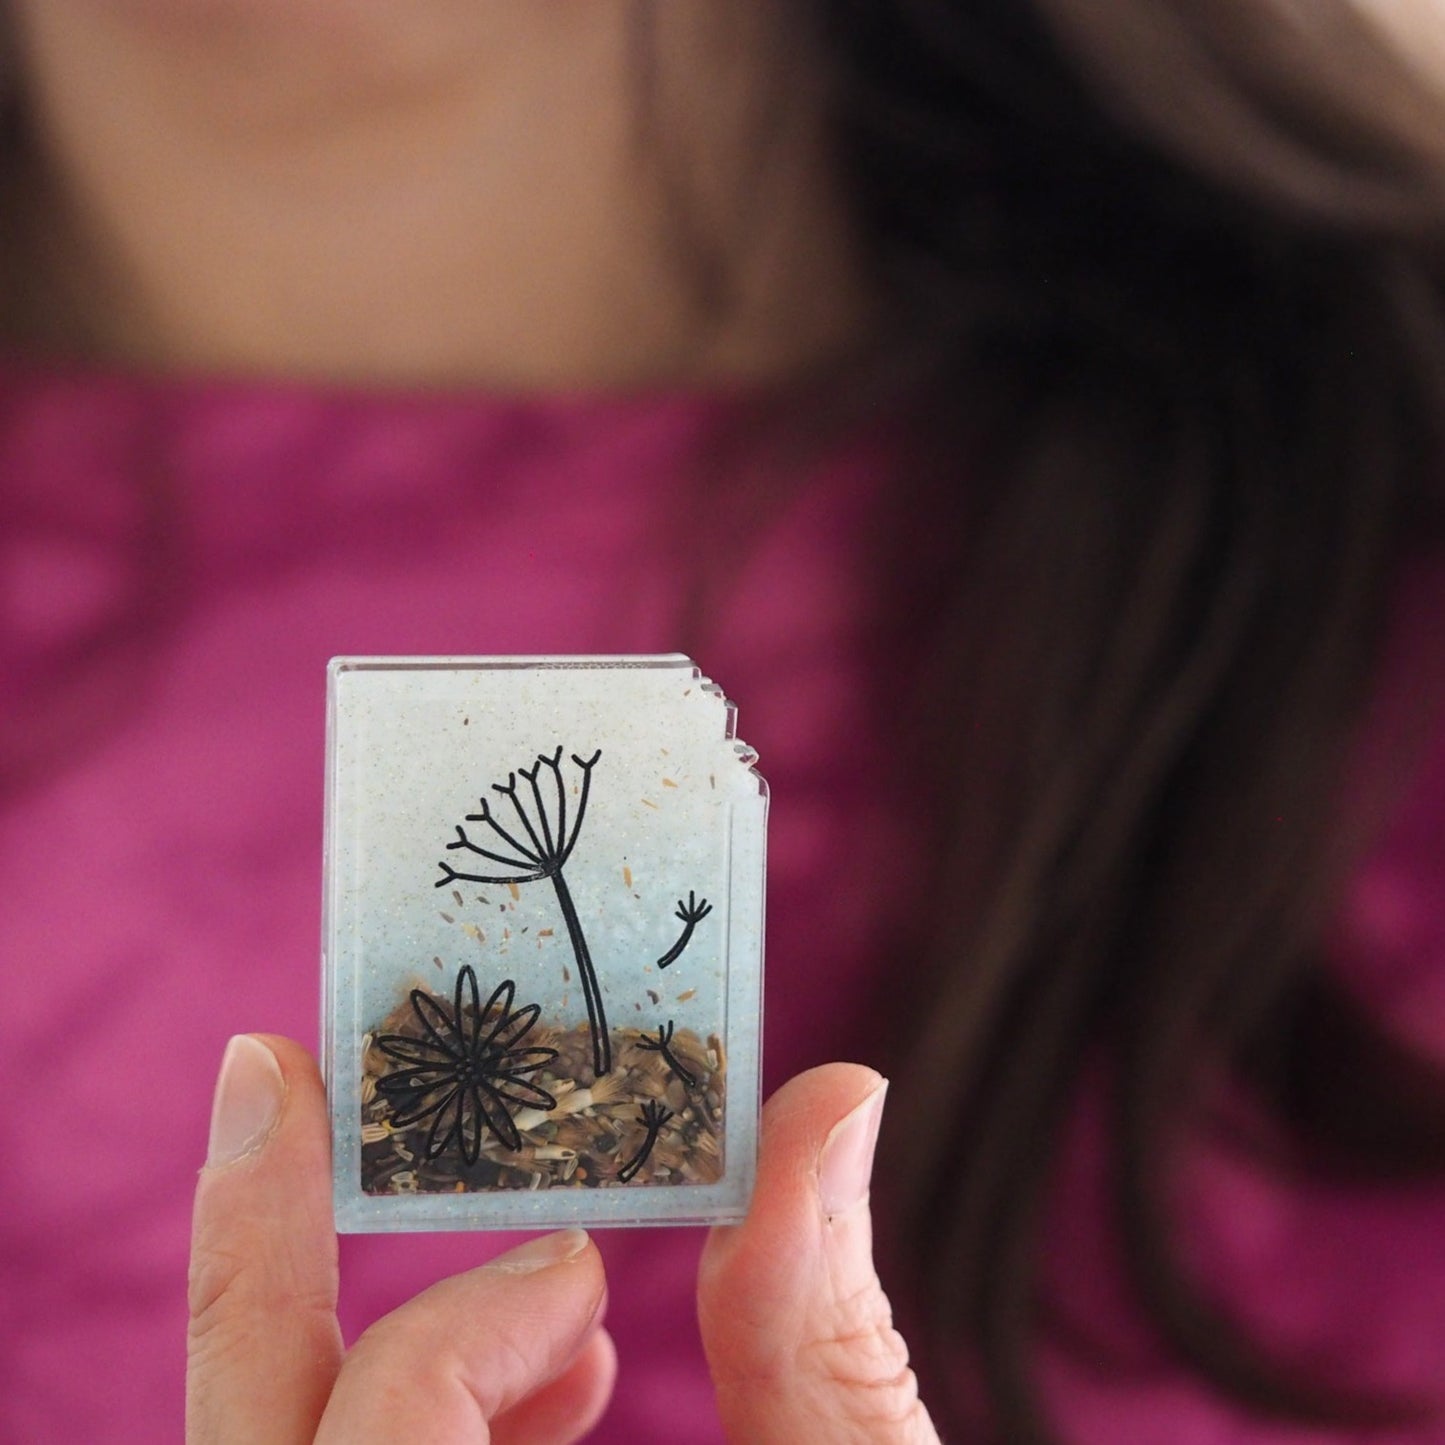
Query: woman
x=1046, y=401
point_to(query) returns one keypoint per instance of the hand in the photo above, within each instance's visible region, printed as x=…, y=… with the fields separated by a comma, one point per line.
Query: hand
x=512, y=1353
x=796, y=1326
x=798, y=1332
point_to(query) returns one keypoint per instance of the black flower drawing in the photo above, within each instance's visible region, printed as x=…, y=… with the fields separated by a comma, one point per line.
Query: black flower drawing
x=465, y=1072
x=652, y=1117
x=692, y=912
x=662, y=1044
x=548, y=845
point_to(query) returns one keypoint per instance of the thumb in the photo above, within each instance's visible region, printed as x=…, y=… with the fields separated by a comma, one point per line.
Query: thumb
x=264, y=1345
x=798, y=1331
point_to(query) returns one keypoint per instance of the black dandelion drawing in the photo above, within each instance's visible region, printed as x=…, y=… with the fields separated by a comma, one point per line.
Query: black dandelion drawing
x=662, y=1044
x=692, y=912
x=652, y=1116
x=466, y=1071
x=549, y=841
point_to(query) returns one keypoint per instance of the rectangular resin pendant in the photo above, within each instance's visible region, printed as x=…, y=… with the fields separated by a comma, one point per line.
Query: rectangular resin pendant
x=542, y=978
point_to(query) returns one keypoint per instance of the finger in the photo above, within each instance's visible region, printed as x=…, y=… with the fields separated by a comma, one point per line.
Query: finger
x=798, y=1332
x=263, y=1346
x=568, y=1407
x=472, y=1348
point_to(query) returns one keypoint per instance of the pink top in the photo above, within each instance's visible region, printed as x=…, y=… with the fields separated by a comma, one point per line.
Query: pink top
x=162, y=880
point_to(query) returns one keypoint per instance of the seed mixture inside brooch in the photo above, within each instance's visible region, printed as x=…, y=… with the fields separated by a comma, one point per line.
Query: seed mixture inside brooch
x=460, y=1096
x=543, y=953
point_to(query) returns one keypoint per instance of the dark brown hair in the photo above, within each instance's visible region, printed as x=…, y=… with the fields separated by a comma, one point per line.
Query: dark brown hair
x=1168, y=274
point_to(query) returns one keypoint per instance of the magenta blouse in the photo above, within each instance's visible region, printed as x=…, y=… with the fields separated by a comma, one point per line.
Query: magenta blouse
x=161, y=867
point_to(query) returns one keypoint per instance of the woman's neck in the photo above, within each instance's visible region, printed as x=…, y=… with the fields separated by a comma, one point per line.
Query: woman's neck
x=447, y=192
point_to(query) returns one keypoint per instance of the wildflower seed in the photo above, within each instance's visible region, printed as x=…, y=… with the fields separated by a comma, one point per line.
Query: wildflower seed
x=595, y=1135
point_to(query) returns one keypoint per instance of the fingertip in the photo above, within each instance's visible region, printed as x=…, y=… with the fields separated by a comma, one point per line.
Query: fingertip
x=835, y=1087
x=798, y=1122
x=478, y=1347
x=799, y=1116
x=297, y=1063
x=262, y=1277
x=246, y=1106
x=763, y=1258
x=845, y=1161
x=543, y=1252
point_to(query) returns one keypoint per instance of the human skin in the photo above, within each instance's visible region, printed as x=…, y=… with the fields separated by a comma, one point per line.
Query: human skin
x=452, y=192
x=797, y=1329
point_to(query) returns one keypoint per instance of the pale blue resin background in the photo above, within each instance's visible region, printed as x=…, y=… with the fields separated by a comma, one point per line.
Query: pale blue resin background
x=674, y=806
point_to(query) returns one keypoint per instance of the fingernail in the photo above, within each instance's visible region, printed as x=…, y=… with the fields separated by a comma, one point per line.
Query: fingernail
x=846, y=1163
x=540, y=1253
x=247, y=1103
